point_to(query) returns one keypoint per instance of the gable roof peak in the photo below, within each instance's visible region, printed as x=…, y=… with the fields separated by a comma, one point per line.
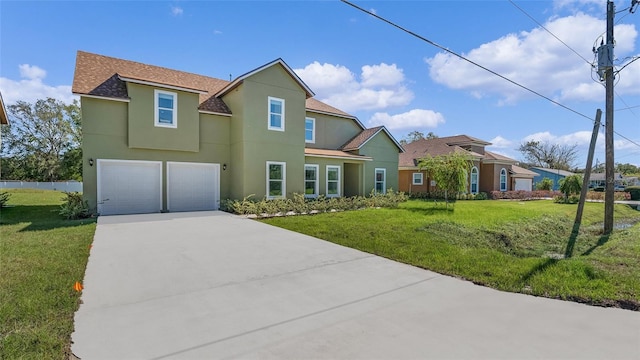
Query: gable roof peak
x=237, y=81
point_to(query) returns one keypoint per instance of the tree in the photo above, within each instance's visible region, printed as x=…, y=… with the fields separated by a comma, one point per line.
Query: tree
x=571, y=185
x=449, y=171
x=40, y=136
x=417, y=135
x=545, y=184
x=552, y=156
x=627, y=169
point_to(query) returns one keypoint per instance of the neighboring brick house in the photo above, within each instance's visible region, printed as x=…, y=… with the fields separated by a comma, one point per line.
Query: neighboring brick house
x=157, y=139
x=489, y=172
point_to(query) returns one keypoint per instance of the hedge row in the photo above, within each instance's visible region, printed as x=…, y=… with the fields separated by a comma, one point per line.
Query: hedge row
x=298, y=204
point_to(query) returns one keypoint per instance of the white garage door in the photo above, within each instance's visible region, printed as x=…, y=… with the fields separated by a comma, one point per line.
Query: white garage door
x=193, y=186
x=129, y=187
x=523, y=184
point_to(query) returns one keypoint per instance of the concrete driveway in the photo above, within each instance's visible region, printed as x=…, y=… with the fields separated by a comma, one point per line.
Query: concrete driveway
x=211, y=285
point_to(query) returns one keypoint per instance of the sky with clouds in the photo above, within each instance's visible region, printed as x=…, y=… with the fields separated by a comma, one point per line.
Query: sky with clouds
x=542, y=50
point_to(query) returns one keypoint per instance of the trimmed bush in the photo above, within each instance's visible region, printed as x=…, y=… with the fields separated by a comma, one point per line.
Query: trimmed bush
x=634, y=192
x=298, y=204
x=523, y=195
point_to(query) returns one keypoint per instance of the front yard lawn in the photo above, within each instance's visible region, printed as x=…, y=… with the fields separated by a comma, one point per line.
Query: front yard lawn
x=508, y=245
x=41, y=257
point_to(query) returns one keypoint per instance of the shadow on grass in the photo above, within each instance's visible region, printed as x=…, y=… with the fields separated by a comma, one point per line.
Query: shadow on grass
x=603, y=240
x=38, y=217
x=539, y=268
x=568, y=251
x=432, y=209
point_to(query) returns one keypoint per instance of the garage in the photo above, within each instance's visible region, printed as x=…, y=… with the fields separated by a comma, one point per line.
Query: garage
x=193, y=186
x=129, y=186
x=523, y=184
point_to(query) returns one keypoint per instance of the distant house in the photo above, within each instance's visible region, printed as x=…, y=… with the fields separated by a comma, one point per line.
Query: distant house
x=489, y=172
x=4, y=120
x=599, y=180
x=158, y=139
x=554, y=174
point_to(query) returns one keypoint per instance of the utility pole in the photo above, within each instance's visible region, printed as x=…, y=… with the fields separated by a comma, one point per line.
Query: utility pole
x=608, y=136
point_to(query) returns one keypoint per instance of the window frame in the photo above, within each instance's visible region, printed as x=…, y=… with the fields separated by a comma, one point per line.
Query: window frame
x=503, y=172
x=316, y=191
x=337, y=167
x=282, y=114
x=156, y=108
x=413, y=178
x=283, y=180
x=471, y=182
x=313, y=130
x=384, y=180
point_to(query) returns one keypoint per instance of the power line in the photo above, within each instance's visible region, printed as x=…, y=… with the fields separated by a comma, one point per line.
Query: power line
x=478, y=65
x=465, y=59
x=550, y=33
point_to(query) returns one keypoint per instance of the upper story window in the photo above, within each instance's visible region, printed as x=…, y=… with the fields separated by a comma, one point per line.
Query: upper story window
x=503, y=179
x=166, y=108
x=310, y=130
x=417, y=179
x=276, y=114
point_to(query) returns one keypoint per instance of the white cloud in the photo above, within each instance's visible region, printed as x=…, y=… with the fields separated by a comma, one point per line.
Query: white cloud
x=176, y=11
x=537, y=60
x=577, y=138
x=378, y=87
x=217, y=32
x=414, y=119
x=31, y=87
x=500, y=143
x=31, y=72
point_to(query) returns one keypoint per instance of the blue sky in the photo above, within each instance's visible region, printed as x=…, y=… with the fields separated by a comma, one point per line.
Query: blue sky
x=358, y=63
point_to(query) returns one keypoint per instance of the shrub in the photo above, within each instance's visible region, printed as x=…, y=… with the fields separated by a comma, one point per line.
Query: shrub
x=4, y=198
x=634, y=192
x=523, y=195
x=618, y=195
x=571, y=185
x=301, y=205
x=73, y=207
x=562, y=199
x=481, y=196
x=545, y=184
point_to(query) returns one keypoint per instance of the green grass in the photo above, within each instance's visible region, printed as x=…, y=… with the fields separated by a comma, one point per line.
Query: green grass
x=41, y=257
x=508, y=245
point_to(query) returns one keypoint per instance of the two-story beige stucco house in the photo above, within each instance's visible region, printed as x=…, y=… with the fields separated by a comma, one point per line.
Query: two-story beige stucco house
x=157, y=139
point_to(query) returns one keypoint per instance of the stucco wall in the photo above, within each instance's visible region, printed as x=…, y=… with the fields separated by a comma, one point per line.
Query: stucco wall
x=104, y=131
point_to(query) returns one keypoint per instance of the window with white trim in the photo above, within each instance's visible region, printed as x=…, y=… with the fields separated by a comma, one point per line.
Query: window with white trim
x=276, y=114
x=503, y=179
x=310, y=130
x=418, y=179
x=474, y=180
x=165, y=108
x=381, y=180
x=333, y=181
x=311, y=180
x=276, y=179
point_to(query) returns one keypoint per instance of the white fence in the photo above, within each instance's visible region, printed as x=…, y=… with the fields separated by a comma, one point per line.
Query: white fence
x=68, y=186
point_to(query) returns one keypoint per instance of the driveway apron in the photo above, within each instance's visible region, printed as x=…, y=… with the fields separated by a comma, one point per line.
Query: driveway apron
x=211, y=285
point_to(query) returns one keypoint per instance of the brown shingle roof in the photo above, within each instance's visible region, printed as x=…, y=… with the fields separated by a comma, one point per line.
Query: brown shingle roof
x=334, y=154
x=442, y=146
x=315, y=105
x=365, y=135
x=518, y=171
x=100, y=75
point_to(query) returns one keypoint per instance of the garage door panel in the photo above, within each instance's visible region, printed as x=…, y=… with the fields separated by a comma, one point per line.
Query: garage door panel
x=129, y=187
x=523, y=184
x=193, y=186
